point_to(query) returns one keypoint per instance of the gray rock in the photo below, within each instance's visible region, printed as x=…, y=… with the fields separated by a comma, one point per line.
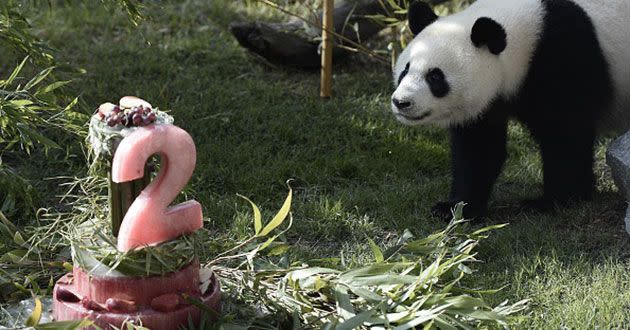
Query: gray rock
x=618, y=158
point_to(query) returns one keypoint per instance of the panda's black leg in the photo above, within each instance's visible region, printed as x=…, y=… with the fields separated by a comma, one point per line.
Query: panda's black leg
x=478, y=153
x=567, y=166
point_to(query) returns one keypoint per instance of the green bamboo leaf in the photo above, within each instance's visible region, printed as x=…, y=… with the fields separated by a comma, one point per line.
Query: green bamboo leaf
x=402, y=240
x=505, y=309
x=272, y=239
x=458, y=211
x=38, y=78
x=33, y=134
x=489, y=228
x=52, y=87
x=464, y=269
x=425, y=245
x=446, y=323
x=21, y=103
x=344, y=305
x=203, y=307
x=65, y=325
x=67, y=266
x=76, y=114
x=10, y=227
x=465, y=302
x=299, y=274
x=419, y=318
x=394, y=4
x=280, y=216
x=257, y=215
x=51, y=286
x=34, y=318
x=278, y=249
x=382, y=279
x=14, y=256
x=319, y=284
x=428, y=273
x=267, y=243
x=366, y=294
x=356, y=321
x=17, y=239
x=449, y=287
x=378, y=254
x=484, y=315
x=20, y=287
x=375, y=269
x=14, y=74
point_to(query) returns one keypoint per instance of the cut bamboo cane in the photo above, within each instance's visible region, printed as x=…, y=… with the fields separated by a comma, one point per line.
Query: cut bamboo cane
x=115, y=209
x=138, y=185
x=122, y=195
x=147, y=173
x=327, y=49
x=126, y=196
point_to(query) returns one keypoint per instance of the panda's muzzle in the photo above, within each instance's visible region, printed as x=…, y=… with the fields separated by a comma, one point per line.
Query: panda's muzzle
x=404, y=106
x=414, y=118
x=401, y=104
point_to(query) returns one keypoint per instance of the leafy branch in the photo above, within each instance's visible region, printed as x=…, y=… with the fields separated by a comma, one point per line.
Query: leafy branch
x=415, y=282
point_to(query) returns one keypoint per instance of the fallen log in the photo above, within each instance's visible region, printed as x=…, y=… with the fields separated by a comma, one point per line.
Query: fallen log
x=294, y=45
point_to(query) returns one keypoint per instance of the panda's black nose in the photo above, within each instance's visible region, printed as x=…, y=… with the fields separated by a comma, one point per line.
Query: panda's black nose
x=401, y=104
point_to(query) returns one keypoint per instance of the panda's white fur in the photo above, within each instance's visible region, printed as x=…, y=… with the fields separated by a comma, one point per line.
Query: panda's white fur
x=476, y=77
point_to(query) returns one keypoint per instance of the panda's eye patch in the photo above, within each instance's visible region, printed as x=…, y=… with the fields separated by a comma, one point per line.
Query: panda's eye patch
x=437, y=82
x=434, y=76
x=403, y=73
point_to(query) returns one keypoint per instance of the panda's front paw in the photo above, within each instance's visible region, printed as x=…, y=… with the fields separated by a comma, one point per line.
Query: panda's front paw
x=443, y=210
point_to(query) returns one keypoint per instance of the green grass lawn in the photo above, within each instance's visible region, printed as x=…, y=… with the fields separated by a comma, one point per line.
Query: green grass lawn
x=356, y=172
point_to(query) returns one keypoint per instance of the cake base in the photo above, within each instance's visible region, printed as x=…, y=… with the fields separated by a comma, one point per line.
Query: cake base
x=155, y=302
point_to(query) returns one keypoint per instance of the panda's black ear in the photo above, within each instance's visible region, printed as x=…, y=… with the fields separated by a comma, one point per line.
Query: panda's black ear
x=420, y=15
x=487, y=32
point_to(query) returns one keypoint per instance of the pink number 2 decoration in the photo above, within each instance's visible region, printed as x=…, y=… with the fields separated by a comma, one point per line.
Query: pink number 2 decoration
x=150, y=220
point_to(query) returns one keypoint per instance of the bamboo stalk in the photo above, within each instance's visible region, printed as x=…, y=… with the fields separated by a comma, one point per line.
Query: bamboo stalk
x=121, y=195
x=138, y=185
x=327, y=49
x=126, y=196
x=147, y=173
x=115, y=207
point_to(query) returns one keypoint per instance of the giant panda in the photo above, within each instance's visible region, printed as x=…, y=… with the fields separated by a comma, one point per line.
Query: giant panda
x=560, y=67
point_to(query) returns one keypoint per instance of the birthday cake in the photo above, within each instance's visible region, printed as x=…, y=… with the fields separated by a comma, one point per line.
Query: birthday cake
x=139, y=265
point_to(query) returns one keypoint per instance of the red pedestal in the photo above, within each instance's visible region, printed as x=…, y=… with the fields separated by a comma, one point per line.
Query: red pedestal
x=156, y=302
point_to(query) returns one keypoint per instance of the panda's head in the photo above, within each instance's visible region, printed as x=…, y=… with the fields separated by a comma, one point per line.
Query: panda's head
x=451, y=71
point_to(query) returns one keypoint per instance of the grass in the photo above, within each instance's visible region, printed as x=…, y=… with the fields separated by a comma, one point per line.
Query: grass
x=357, y=172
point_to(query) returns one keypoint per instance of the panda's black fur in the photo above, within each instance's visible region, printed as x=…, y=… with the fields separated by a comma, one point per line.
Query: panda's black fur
x=567, y=89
